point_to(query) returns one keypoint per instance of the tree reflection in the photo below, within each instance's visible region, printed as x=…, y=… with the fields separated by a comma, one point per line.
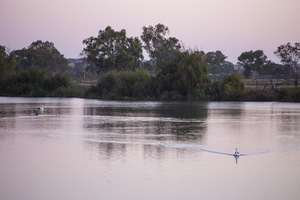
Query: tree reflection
x=147, y=122
x=183, y=120
x=107, y=150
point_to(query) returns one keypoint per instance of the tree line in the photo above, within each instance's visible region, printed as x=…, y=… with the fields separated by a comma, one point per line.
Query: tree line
x=173, y=72
x=37, y=71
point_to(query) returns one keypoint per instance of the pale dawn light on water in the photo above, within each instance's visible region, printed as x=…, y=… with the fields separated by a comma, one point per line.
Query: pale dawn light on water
x=90, y=149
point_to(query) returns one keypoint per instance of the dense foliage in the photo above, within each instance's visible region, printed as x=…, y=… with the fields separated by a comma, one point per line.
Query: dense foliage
x=252, y=61
x=217, y=64
x=31, y=80
x=228, y=88
x=290, y=57
x=111, y=66
x=113, y=50
x=160, y=48
x=122, y=85
x=184, y=77
x=41, y=54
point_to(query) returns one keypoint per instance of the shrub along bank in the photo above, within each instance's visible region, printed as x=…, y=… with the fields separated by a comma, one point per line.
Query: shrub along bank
x=35, y=82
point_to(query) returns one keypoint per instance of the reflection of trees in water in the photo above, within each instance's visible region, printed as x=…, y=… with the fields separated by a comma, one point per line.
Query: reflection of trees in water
x=289, y=123
x=235, y=113
x=181, y=130
x=158, y=130
x=161, y=152
x=184, y=110
x=228, y=115
x=8, y=112
x=181, y=110
x=107, y=150
x=166, y=122
x=116, y=150
x=183, y=120
x=180, y=121
x=154, y=151
x=227, y=109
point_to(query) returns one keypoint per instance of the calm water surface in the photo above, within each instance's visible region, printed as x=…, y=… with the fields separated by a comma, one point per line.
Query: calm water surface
x=110, y=150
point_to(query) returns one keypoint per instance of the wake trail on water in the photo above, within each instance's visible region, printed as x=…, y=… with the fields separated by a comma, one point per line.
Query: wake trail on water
x=188, y=147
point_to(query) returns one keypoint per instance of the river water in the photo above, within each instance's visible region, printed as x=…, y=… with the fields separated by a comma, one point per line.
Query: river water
x=116, y=150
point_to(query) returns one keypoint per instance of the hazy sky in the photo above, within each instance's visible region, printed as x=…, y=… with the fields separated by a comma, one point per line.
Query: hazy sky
x=232, y=26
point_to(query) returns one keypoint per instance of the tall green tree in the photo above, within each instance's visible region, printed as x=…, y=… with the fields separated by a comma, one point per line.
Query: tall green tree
x=156, y=43
x=252, y=61
x=193, y=71
x=274, y=70
x=113, y=50
x=184, y=74
x=228, y=88
x=290, y=57
x=2, y=56
x=41, y=54
x=217, y=63
x=215, y=58
x=7, y=61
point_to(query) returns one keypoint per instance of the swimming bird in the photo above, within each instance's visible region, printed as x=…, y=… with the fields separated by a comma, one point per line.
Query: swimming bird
x=41, y=109
x=236, y=153
x=34, y=113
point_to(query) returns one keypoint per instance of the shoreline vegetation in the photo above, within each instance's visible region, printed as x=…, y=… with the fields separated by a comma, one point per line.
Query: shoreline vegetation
x=112, y=67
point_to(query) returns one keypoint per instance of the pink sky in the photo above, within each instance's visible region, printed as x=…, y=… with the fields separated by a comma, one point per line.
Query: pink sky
x=232, y=26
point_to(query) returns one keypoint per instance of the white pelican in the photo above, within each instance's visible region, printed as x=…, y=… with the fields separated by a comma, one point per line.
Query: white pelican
x=41, y=109
x=236, y=153
x=34, y=113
